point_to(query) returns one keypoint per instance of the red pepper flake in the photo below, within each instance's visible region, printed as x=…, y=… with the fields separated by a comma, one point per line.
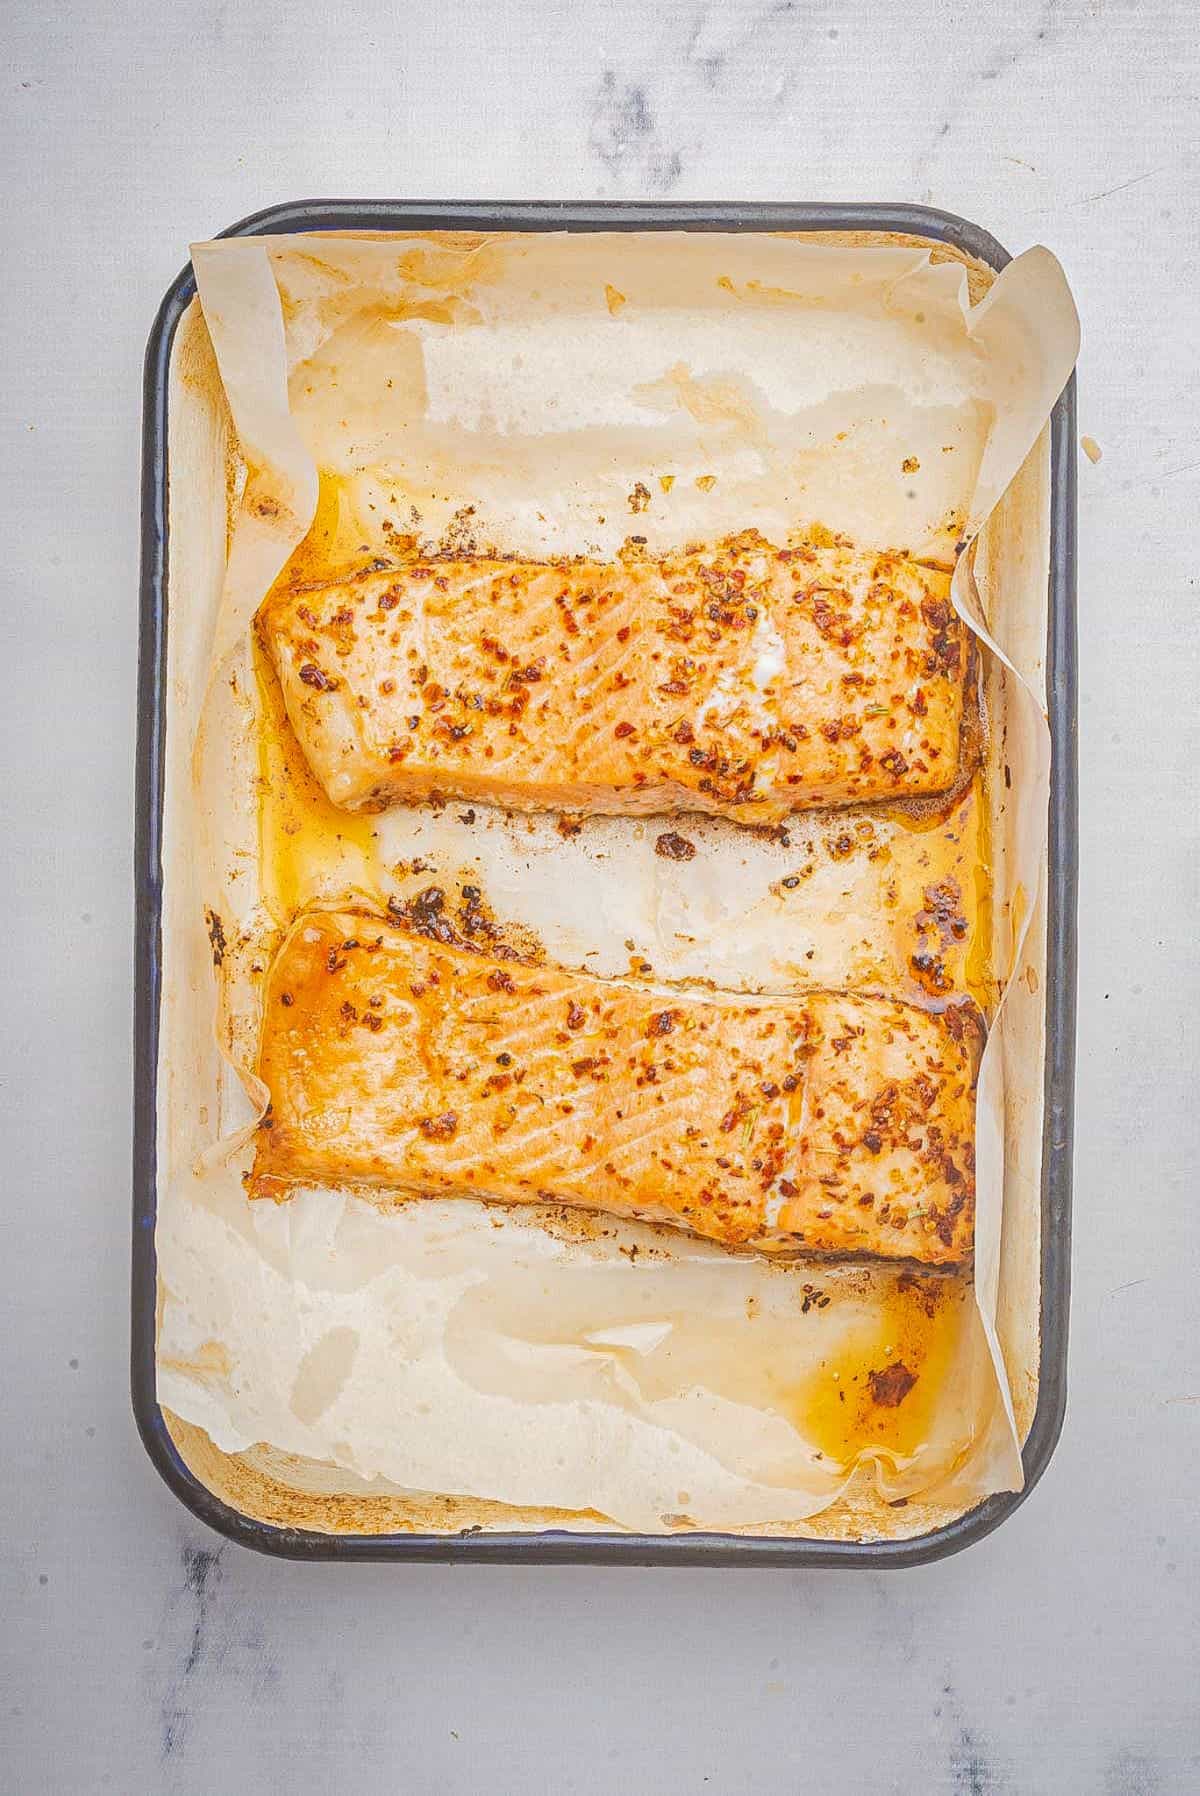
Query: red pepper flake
x=623, y=729
x=576, y=1015
x=500, y=982
x=439, y=1128
x=661, y=1023
x=312, y=675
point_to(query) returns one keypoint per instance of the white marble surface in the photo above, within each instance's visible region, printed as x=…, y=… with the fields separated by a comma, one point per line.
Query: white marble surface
x=138, y=1654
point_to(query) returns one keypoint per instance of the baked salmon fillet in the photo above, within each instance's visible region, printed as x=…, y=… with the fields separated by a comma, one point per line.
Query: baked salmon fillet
x=742, y=680
x=823, y=1124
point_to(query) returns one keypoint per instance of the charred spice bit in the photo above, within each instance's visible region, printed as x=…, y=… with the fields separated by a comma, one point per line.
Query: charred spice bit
x=661, y=1023
x=312, y=675
x=938, y=925
x=674, y=847
x=425, y=914
x=891, y=1386
x=439, y=1128
x=964, y=1022
x=216, y=936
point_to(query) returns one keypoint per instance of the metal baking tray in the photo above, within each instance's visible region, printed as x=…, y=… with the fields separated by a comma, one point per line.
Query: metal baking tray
x=559, y=1547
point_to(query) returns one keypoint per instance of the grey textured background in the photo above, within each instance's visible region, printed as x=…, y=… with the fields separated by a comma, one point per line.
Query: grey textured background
x=137, y=1653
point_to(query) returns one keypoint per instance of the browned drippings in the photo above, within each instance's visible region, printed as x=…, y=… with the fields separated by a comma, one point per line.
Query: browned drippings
x=303, y=837
x=882, y=1390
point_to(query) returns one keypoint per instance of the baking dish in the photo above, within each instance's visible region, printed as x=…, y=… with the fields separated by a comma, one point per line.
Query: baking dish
x=1058, y=985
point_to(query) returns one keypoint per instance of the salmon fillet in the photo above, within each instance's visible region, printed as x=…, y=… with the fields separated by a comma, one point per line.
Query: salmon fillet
x=742, y=680
x=829, y=1123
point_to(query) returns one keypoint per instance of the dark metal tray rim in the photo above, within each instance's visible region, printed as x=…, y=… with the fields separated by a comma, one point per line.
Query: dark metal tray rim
x=560, y=1546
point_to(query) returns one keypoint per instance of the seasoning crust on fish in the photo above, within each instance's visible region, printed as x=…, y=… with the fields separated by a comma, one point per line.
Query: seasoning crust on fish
x=741, y=680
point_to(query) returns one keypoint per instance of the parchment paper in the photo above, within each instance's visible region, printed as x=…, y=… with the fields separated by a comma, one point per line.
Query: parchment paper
x=519, y=391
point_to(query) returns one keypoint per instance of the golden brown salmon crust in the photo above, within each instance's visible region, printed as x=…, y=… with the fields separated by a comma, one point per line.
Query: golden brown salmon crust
x=742, y=679
x=829, y=1124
